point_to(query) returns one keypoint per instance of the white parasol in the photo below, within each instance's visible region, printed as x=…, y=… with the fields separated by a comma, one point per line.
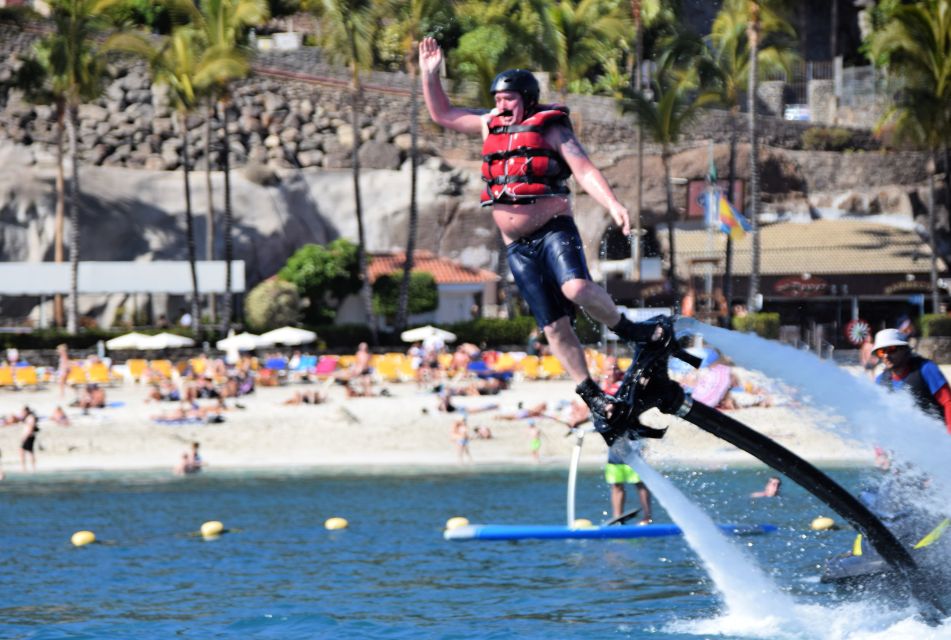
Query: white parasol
x=290, y=336
x=165, y=341
x=427, y=333
x=243, y=342
x=126, y=341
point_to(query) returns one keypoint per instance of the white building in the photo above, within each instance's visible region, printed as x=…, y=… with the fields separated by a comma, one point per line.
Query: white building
x=464, y=292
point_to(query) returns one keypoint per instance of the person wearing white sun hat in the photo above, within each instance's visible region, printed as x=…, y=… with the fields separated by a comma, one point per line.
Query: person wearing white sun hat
x=906, y=370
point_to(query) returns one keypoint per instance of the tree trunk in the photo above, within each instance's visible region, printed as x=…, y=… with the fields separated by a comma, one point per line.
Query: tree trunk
x=403, y=306
x=362, y=247
x=60, y=224
x=731, y=176
x=753, y=37
x=72, y=127
x=229, y=247
x=190, y=230
x=671, y=219
x=210, y=211
x=932, y=230
x=639, y=142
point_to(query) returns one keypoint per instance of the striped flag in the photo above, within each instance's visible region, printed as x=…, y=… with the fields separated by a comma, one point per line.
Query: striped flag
x=721, y=214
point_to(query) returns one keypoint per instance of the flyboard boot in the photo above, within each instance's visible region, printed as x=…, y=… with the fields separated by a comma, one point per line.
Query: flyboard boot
x=645, y=383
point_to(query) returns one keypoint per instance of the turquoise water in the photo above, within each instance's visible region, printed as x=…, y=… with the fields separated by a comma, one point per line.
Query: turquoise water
x=280, y=574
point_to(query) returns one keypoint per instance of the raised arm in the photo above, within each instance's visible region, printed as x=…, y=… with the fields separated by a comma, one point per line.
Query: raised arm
x=587, y=175
x=440, y=109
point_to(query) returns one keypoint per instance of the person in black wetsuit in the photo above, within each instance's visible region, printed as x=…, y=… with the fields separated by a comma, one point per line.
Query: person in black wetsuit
x=529, y=151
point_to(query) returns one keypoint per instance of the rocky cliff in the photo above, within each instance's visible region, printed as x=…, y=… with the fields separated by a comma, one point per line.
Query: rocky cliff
x=290, y=137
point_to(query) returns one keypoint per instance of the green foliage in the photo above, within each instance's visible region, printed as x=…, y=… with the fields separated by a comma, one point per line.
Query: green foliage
x=325, y=275
x=588, y=329
x=271, y=304
x=827, y=139
x=143, y=13
x=765, y=325
x=935, y=325
x=423, y=294
x=494, y=332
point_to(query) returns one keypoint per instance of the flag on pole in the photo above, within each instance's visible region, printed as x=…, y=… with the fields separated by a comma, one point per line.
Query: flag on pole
x=721, y=215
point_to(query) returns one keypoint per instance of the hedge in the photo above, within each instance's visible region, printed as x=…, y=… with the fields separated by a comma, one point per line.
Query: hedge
x=765, y=325
x=934, y=325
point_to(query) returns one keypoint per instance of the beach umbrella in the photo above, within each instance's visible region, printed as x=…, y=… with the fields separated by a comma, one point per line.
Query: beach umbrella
x=243, y=342
x=290, y=336
x=427, y=333
x=126, y=341
x=165, y=341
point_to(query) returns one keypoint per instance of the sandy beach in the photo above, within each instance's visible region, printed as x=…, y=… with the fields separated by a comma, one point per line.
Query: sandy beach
x=404, y=430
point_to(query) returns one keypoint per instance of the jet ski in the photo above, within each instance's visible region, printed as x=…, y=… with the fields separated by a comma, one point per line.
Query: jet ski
x=862, y=569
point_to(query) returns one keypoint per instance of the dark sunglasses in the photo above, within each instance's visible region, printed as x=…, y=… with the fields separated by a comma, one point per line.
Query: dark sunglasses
x=888, y=350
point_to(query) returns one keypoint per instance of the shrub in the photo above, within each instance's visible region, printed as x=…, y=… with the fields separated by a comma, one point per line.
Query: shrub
x=325, y=275
x=271, y=304
x=494, y=332
x=765, y=325
x=827, y=139
x=423, y=293
x=935, y=325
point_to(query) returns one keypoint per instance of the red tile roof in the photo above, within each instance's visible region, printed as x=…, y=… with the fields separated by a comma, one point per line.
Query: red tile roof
x=444, y=270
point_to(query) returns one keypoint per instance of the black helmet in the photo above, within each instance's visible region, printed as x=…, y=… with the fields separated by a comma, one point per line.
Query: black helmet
x=519, y=81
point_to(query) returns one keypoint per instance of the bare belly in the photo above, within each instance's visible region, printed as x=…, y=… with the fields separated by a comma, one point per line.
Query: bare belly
x=518, y=220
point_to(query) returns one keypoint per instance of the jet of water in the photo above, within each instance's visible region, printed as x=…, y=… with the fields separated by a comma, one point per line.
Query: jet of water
x=872, y=415
x=747, y=591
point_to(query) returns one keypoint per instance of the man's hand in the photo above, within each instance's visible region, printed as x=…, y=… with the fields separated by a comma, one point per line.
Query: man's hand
x=621, y=217
x=430, y=56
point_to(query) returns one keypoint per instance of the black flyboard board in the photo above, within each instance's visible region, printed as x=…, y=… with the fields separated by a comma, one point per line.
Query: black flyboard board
x=646, y=384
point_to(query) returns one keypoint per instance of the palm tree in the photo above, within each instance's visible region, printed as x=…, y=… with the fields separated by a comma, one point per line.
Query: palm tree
x=78, y=73
x=665, y=113
x=174, y=62
x=752, y=36
x=580, y=29
x=916, y=45
x=413, y=24
x=729, y=59
x=347, y=36
x=224, y=25
x=642, y=12
x=34, y=79
x=502, y=34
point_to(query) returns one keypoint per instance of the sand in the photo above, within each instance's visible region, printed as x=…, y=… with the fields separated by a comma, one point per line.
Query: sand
x=375, y=434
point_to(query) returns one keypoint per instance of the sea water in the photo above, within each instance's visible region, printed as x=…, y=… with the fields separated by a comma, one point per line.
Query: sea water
x=280, y=574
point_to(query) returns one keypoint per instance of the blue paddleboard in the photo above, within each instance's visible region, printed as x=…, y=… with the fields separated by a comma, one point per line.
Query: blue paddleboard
x=562, y=532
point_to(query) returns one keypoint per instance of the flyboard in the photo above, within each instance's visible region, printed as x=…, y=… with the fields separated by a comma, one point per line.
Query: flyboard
x=646, y=385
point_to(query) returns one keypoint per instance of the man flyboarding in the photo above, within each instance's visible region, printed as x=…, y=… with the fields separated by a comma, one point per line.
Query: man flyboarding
x=529, y=151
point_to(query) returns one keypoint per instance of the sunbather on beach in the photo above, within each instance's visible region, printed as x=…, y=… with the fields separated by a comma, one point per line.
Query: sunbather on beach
x=306, y=397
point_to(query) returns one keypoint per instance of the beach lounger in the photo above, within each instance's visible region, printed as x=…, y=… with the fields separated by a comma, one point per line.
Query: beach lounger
x=326, y=367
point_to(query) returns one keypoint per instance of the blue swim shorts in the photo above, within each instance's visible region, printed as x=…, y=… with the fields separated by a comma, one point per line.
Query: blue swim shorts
x=544, y=260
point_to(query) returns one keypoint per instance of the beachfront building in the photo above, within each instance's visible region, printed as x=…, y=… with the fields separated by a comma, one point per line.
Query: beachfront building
x=821, y=275
x=464, y=292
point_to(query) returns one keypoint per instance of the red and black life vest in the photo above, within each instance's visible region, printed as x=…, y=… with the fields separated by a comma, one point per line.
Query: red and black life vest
x=518, y=166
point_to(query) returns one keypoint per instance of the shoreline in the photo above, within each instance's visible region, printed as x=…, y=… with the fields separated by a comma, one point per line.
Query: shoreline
x=402, y=433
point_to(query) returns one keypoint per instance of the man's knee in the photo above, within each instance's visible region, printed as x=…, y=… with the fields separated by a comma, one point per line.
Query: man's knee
x=558, y=330
x=576, y=289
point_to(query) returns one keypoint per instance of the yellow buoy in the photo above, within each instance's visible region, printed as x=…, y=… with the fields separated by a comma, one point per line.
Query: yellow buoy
x=212, y=529
x=82, y=538
x=581, y=523
x=455, y=523
x=823, y=523
x=333, y=524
